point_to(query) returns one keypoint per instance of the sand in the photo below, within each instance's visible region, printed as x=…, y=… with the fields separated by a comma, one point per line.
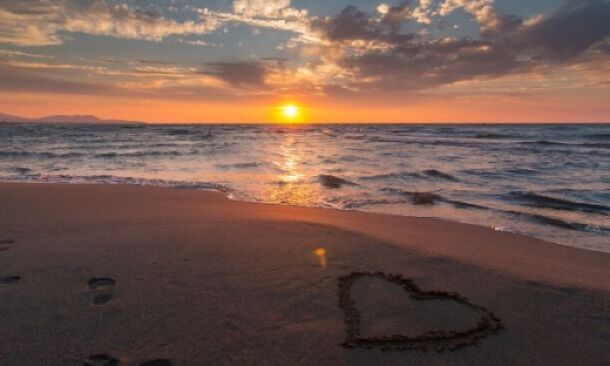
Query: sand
x=107, y=275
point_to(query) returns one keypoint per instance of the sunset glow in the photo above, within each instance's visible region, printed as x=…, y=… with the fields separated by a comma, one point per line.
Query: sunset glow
x=347, y=61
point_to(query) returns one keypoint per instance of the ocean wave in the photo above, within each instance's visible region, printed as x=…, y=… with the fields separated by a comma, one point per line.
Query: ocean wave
x=106, y=155
x=111, y=179
x=351, y=203
x=247, y=165
x=438, y=174
x=435, y=142
x=533, y=199
x=542, y=219
x=417, y=198
x=564, y=224
x=500, y=174
x=521, y=171
x=392, y=176
x=342, y=159
x=37, y=154
x=490, y=135
x=596, y=145
x=333, y=182
x=542, y=142
x=428, y=198
x=22, y=170
x=356, y=137
x=598, y=136
x=406, y=175
x=137, y=154
x=432, y=198
x=178, y=131
x=591, y=145
x=16, y=153
x=466, y=205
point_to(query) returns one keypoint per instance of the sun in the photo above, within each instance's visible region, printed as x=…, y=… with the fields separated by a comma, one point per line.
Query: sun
x=290, y=111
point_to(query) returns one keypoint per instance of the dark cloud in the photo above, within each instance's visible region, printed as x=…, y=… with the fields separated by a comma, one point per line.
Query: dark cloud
x=15, y=79
x=351, y=24
x=572, y=30
x=391, y=59
x=26, y=80
x=33, y=7
x=243, y=74
x=398, y=14
x=505, y=24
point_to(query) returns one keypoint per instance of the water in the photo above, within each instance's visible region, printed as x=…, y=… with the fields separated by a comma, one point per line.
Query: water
x=548, y=181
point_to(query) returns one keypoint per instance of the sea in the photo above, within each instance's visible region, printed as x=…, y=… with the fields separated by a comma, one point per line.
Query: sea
x=550, y=181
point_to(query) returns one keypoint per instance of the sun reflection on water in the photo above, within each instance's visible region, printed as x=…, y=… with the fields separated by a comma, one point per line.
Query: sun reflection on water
x=290, y=185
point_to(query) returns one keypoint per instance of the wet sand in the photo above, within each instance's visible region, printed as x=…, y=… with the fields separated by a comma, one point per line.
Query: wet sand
x=106, y=275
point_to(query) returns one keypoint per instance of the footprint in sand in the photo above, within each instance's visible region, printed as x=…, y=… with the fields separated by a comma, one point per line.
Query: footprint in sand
x=101, y=359
x=158, y=362
x=9, y=280
x=102, y=287
x=5, y=244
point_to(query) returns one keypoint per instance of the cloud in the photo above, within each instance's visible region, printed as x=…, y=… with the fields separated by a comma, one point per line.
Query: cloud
x=148, y=81
x=350, y=24
x=43, y=22
x=407, y=10
x=273, y=14
x=12, y=54
x=40, y=22
x=573, y=29
x=261, y=8
x=17, y=78
x=423, y=13
x=196, y=42
x=352, y=52
x=397, y=14
x=482, y=10
x=382, y=57
x=248, y=74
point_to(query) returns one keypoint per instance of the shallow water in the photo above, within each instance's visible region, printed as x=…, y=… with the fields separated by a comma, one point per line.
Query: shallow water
x=549, y=181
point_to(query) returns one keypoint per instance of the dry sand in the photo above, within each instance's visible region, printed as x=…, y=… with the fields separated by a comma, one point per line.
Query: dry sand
x=143, y=273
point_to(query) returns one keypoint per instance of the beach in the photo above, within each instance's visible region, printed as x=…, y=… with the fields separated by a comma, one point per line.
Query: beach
x=120, y=274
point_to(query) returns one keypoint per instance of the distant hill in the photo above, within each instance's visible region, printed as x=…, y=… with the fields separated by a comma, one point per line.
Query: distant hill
x=9, y=118
x=81, y=119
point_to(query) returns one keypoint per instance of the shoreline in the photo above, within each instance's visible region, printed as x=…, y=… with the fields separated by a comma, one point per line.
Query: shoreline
x=228, y=193
x=146, y=273
x=519, y=244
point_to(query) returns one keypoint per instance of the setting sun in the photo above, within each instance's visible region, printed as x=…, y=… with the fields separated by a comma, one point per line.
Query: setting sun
x=290, y=111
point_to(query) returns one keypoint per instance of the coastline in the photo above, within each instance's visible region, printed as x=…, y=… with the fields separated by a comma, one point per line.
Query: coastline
x=428, y=235
x=201, y=278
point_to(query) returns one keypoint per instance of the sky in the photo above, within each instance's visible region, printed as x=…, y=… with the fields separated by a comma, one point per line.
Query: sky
x=337, y=61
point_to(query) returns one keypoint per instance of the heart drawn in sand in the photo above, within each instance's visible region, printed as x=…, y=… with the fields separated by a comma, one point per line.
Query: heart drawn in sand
x=438, y=340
